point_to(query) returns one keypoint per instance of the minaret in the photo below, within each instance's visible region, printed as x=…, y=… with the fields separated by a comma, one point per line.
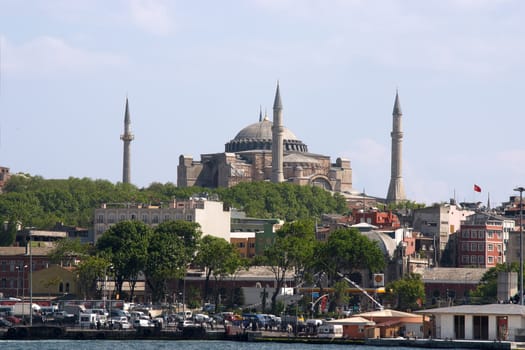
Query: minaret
x=396, y=190
x=127, y=137
x=277, y=139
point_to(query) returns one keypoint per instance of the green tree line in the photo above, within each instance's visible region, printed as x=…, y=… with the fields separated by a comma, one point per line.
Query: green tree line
x=34, y=201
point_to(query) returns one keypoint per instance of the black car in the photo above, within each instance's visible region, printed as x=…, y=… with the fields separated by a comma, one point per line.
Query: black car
x=5, y=323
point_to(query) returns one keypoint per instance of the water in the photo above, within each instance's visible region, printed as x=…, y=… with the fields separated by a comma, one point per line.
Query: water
x=173, y=344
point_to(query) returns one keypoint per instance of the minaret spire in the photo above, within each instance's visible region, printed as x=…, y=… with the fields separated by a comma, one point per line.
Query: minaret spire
x=127, y=137
x=277, y=139
x=396, y=189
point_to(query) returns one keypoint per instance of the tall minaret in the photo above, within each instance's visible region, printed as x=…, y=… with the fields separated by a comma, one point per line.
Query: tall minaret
x=127, y=137
x=396, y=190
x=277, y=139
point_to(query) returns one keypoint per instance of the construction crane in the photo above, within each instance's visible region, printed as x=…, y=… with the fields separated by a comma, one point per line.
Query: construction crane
x=378, y=304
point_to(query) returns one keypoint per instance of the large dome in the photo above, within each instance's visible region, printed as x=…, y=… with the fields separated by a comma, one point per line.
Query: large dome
x=258, y=136
x=262, y=131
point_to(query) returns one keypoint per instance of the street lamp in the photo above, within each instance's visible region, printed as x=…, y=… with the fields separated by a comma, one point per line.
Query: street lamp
x=111, y=290
x=466, y=291
x=17, y=268
x=23, y=292
x=520, y=190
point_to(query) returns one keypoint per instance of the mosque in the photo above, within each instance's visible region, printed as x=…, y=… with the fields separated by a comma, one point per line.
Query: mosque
x=252, y=156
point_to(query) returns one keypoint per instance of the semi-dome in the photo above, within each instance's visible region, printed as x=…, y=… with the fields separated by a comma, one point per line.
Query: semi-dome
x=258, y=136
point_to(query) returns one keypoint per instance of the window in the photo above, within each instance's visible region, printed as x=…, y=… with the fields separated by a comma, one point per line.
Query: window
x=499, y=247
x=481, y=234
x=473, y=259
x=490, y=260
x=189, y=217
x=473, y=247
x=145, y=218
x=490, y=247
x=481, y=259
x=122, y=217
x=155, y=219
x=490, y=234
x=481, y=247
x=100, y=219
x=464, y=247
x=499, y=260
x=111, y=219
x=465, y=234
x=240, y=244
x=473, y=234
x=464, y=259
x=166, y=217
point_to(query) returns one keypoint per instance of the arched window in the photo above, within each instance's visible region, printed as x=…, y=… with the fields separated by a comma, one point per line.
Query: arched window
x=61, y=287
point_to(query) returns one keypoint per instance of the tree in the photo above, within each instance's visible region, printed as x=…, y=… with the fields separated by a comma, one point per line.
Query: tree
x=168, y=255
x=284, y=200
x=218, y=257
x=66, y=251
x=487, y=289
x=90, y=271
x=347, y=251
x=291, y=252
x=126, y=246
x=408, y=292
x=189, y=232
x=8, y=233
x=340, y=295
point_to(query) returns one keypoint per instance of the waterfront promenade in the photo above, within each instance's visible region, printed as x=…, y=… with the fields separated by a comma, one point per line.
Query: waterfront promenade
x=237, y=334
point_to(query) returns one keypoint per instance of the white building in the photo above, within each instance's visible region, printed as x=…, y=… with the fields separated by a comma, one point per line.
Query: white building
x=479, y=322
x=212, y=216
x=439, y=222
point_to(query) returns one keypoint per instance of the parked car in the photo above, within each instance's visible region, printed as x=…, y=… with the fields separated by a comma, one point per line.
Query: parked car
x=13, y=319
x=120, y=322
x=64, y=317
x=5, y=323
x=201, y=318
x=185, y=324
x=142, y=322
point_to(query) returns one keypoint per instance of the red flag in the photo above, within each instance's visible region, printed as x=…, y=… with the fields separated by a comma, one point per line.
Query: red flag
x=477, y=188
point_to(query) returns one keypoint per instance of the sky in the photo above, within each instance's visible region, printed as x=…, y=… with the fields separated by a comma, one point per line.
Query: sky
x=197, y=72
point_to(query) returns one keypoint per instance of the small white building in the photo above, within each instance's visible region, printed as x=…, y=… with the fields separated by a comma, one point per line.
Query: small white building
x=479, y=322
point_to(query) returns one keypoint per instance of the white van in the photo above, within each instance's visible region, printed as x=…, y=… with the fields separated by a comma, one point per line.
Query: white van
x=328, y=330
x=87, y=320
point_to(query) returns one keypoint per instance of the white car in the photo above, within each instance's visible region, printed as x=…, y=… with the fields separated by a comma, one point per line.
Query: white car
x=142, y=322
x=120, y=322
x=201, y=318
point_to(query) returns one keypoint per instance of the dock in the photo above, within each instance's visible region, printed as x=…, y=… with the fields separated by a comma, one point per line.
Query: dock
x=198, y=333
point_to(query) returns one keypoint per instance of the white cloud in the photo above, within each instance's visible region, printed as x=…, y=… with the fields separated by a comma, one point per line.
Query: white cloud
x=370, y=152
x=152, y=16
x=50, y=55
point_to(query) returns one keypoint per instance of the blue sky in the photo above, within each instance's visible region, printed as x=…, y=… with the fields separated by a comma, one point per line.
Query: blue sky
x=196, y=73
